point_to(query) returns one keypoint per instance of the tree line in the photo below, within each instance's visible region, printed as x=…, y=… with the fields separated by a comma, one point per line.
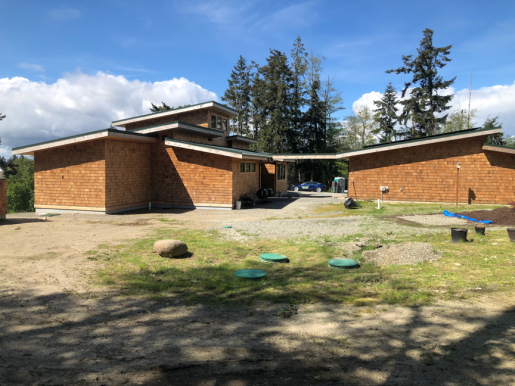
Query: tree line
x=289, y=107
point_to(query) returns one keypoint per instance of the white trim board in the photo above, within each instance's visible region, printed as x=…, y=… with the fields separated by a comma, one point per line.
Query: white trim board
x=220, y=151
x=499, y=149
x=179, y=125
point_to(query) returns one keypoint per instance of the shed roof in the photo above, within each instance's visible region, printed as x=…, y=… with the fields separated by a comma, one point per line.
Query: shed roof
x=439, y=138
x=212, y=104
x=90, y=136
x=240, y=138
x=220, y=150
x=213, y=133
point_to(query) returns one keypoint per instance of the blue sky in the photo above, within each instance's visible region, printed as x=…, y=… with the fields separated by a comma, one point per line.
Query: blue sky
x=65, y=45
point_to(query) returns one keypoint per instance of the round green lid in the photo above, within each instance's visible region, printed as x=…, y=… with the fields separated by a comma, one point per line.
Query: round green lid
x=273, y=257
x=250, y=273
x=343, y=263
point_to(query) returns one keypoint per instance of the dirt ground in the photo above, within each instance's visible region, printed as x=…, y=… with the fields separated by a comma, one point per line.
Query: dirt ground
x=58, y=328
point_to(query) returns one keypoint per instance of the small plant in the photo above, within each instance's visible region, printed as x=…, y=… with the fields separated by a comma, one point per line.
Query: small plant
x=480, y=225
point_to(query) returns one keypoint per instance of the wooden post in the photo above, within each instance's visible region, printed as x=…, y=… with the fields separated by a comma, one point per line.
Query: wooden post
x=458, y=165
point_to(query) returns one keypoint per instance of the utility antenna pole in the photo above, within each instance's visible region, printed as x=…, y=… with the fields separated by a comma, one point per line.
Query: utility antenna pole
x=470, y=97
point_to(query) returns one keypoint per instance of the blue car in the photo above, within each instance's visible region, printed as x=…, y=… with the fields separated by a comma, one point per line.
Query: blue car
x=310, y=185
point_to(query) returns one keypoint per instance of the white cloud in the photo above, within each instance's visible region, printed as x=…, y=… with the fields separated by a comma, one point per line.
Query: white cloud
x=490, y=101
x=79, y=103
x=65, y=14
x=30, y=66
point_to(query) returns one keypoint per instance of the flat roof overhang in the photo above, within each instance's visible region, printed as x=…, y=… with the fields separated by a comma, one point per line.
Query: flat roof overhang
x=499, y=148
x=91, y=136
x=241, y=138
x=180, y=126
x=211, y=105
x=223, y=151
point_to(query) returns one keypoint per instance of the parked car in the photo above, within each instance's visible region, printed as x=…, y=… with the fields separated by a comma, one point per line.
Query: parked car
x=310, y=185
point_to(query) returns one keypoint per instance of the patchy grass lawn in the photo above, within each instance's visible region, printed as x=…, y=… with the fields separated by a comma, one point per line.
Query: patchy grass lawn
x=369, y=208
x=485, y=264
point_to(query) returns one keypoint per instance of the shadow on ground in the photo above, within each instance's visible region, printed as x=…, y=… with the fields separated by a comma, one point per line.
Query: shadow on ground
x=109, y=340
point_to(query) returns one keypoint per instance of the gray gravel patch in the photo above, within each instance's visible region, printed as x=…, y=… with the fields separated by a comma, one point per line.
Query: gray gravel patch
x=401, y=254
x=435, y=219
x=319, y=228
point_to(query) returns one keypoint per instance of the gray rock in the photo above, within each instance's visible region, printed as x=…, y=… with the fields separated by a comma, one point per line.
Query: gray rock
x=170, y=248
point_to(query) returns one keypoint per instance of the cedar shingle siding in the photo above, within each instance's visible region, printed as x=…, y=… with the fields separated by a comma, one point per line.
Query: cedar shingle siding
x=428, y=173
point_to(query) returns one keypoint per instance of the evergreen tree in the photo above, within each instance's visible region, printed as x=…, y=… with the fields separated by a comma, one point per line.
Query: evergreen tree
x=272, y=102
x=299, y=64
x=158, y=109
x=386, y=115
x=425, y=105
x=495, y=139
x=8, y=166
x=238, y=95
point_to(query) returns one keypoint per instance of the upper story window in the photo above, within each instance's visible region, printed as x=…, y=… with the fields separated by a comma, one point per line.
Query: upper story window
x=224, y=125
x=219, y=123
x=213, y=121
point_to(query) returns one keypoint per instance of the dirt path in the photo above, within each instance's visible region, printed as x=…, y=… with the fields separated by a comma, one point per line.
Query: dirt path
x=57, y=328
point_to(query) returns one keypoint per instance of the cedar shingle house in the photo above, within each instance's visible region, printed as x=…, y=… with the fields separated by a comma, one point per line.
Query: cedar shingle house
x=180, y=158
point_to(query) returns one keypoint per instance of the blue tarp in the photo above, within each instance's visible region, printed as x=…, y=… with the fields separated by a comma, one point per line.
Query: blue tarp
x=449, y=214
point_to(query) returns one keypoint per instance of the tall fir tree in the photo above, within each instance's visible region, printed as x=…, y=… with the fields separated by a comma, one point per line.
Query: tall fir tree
x=237, y=95
x=272, y=102
x=495, y=139
x=386, y=115
x=299, y=65
x=425, y=105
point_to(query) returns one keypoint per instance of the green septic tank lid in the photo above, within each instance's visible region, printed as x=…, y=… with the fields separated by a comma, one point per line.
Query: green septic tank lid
x=252, y=274
x=343, y=263
x=273, y=258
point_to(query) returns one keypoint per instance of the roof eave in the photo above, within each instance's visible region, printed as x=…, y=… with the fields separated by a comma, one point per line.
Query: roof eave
x=108, y=133
x=212, y=104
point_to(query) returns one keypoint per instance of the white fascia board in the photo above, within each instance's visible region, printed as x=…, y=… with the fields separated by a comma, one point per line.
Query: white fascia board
x=29, y=150
x=227, y=110
x=499, y=149
x=178, y=125
x=418, y=143
x=191, y=146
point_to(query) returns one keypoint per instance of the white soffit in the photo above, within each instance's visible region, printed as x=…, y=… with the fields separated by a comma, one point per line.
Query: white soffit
x=211, y=150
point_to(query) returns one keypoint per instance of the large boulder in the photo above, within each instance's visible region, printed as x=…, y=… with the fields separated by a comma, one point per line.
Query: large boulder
x=170, y=248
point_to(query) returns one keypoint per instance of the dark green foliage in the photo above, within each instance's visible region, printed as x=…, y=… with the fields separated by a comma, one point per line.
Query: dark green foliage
x=496, y=139
x=20, y=186
x=290, y=110
x=386, y=116
x=425, y=105
x=272, y=102
x=299, y=58
x=8, y=166
x=158, y=109
x=238, y=95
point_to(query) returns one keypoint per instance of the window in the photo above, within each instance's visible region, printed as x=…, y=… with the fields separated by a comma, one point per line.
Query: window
x=248, y=167
x=253, y=167
x=219, y=123
x=213, y=121
x=224, y=125
x=281, y=171
x=242, y=167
